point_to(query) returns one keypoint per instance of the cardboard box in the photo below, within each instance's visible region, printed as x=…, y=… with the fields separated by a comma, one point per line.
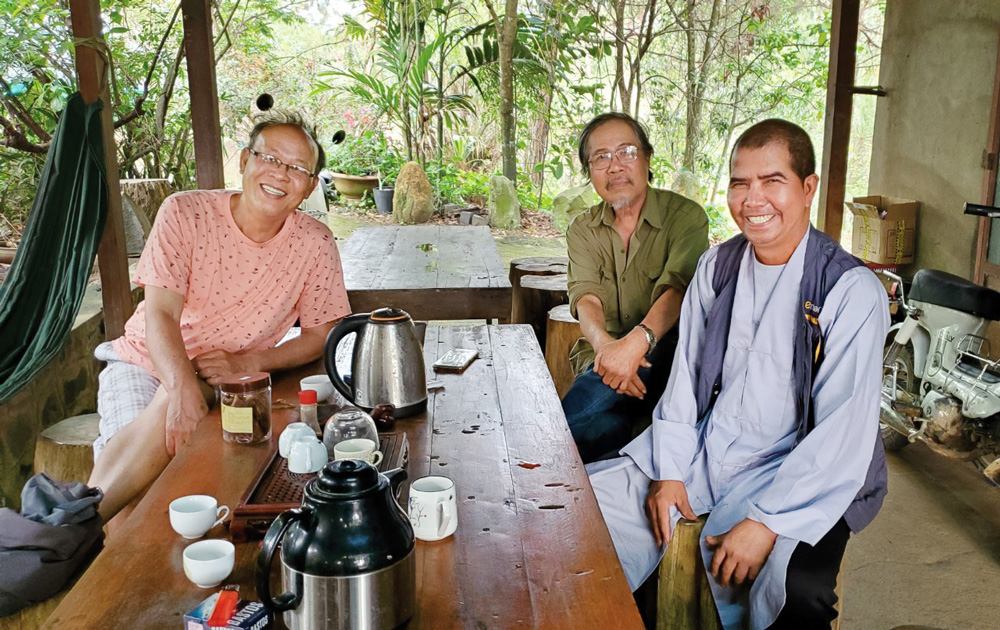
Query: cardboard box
x=884, y=229
x=248, y=616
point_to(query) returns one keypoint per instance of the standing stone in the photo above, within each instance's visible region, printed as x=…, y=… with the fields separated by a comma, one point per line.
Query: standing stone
x=503, y=206
x=687, y=183
x=413, y=201
x=570, y=203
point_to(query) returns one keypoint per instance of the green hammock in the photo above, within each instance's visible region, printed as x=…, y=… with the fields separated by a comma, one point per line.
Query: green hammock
x=42, y=293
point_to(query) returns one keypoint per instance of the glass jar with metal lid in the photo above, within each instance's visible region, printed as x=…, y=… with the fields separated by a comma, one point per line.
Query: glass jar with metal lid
x=246, y=408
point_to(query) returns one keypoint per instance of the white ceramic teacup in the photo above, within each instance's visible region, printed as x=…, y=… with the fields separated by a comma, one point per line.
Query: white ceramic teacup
x=358, y=448
x=307, y=455
x=321, y=384
x=208, y=562
x=192, y=516
x=433, y=508
x=293, y=432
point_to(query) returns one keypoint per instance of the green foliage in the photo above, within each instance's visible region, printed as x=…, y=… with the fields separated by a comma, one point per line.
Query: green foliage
x=357, y=155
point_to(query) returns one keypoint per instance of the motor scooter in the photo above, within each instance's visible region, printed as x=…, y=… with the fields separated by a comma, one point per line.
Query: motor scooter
x=941, y=383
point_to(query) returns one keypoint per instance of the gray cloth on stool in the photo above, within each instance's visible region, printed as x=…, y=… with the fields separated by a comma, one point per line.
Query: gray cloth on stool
x=57, y=531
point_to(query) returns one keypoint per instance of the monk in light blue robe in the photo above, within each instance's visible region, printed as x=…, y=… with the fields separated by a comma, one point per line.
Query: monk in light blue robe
x=747, y=463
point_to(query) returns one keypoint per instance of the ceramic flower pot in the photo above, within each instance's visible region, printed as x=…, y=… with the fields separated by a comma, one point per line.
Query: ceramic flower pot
x=354, y=187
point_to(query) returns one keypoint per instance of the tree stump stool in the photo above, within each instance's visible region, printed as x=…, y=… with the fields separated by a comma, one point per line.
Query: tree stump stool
x=65, y=450
x=684, y=599
x=535, y=266
x=536, y=298
x=561, y=332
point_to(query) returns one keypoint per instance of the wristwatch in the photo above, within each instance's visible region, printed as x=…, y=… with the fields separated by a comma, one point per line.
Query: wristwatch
x=650, y=337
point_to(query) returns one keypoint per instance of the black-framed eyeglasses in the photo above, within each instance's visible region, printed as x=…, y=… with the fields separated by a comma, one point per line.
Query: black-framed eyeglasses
x=626, y=155
x=270, y=161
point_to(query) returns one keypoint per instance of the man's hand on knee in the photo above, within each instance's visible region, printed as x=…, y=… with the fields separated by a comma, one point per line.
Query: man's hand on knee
x=741, y=552
x=662, y=496
x=185, y=409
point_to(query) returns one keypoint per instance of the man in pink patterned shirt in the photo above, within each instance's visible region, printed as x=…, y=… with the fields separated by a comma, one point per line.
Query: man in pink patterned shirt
x=226, y=274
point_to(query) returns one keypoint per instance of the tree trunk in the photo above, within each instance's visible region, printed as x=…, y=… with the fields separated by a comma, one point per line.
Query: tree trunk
x=506, y=33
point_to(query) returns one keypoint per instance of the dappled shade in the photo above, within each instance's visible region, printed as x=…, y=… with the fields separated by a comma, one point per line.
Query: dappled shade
x=42, y=293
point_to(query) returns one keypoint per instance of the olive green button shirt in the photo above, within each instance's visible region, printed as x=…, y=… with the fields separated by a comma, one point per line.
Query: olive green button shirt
x=671, y=235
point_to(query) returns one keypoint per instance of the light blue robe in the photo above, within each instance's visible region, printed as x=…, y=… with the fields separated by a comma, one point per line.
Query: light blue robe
x=743, y=461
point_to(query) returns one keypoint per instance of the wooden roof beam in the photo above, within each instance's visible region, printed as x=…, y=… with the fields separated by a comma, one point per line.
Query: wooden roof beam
x=200, y=51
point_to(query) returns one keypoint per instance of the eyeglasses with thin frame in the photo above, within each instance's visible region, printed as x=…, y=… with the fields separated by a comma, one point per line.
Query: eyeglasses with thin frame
x=626, y=155
x=272, y=162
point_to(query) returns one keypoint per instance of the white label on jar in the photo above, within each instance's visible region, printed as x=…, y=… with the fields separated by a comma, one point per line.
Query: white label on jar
x=237, y=419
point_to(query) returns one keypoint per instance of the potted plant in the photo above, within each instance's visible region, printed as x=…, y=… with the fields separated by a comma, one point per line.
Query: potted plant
x=388, y=169
x=354, y=164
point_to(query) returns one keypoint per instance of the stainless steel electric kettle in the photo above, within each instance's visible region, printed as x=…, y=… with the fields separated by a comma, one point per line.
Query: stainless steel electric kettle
x=387, y=365
x=347, y=558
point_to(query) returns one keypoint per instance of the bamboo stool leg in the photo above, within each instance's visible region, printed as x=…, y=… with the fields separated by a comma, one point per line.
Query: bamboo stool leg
x=65, y=451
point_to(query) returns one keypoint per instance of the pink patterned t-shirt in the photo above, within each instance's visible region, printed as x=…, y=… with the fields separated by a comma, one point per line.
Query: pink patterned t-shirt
x=239, y=296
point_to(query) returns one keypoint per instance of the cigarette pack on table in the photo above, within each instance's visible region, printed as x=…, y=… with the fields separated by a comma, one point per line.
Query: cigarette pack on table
x=248, y=616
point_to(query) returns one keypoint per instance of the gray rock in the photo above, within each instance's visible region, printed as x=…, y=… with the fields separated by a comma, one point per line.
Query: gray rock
x=478, y=219
x=570, y=203
x=466, y=217
x=413, y=201
x=503, y=207
x=688, y=184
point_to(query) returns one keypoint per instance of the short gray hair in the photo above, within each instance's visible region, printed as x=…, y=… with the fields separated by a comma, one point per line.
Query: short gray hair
x=273, y=118
x=640, y=133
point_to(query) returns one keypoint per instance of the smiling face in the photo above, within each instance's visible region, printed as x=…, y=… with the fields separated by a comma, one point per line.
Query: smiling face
x=768, y=201
x=620, y=184
x=270, y=190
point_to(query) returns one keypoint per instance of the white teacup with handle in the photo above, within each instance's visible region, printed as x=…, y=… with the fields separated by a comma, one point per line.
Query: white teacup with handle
x=358, y=448
x=433, y=508
x=192, y=516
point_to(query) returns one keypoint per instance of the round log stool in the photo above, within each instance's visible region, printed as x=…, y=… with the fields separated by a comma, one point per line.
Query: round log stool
x=537, y=297
x=561, y=332
x=65, y=450
x=684, y=599
x=534, y=266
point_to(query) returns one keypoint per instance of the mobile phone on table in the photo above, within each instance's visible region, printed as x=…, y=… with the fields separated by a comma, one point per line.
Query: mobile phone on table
x=455, y=360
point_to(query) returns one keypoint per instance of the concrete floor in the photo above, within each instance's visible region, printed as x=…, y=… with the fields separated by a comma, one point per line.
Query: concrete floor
x=932, y=557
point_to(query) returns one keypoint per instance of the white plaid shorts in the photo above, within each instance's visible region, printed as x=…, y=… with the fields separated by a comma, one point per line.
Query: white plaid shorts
x=123, y=391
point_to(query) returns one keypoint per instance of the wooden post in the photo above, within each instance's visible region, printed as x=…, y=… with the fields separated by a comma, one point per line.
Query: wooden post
x=678, y=600
x=91, y=70
x=537, y=296
x=839, y=103
x=200, y=50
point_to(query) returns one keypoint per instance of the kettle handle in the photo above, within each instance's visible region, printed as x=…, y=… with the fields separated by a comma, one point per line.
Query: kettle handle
x=285, y=601
x=352, y=323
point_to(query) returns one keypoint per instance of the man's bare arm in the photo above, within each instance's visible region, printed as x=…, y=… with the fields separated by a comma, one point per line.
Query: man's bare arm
x=217, y=364
x=186, y=405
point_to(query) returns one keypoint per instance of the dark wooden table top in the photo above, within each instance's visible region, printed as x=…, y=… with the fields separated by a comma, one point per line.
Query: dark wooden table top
x=531, y=550
x=430, y=271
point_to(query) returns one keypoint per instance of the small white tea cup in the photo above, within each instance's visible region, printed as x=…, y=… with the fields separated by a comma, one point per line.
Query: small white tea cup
x=358, y=448
x=307, y=455
x=208, y=562
x=321, y=384
x=192, y=516
x=291, y=434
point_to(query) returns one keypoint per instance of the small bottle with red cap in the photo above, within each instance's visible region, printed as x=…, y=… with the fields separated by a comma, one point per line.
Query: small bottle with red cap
x=307, y=409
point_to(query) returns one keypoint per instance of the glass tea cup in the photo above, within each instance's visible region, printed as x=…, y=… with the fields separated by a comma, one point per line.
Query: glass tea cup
x=349, y=423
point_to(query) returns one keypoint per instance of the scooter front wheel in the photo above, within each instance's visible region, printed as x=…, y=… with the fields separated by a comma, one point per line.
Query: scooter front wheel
x=907, y=388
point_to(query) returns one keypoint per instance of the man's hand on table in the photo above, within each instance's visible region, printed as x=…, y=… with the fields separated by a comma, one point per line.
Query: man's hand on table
x=185, y=409
x=662, y=496
x=741, y=552
x=618, y=361
x=215, y=365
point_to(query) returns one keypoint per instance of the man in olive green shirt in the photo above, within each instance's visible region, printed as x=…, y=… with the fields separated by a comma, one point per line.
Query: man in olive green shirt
x=630, y=259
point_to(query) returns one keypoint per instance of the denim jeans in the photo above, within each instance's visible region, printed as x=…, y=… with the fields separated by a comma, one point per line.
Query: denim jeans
x=601, y=420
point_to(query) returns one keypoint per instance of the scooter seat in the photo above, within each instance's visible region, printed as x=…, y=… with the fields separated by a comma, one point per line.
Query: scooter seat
x=944, y=289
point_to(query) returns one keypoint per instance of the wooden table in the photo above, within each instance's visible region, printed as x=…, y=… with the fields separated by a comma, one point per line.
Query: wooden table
x=430, y=271
x=531, y=550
